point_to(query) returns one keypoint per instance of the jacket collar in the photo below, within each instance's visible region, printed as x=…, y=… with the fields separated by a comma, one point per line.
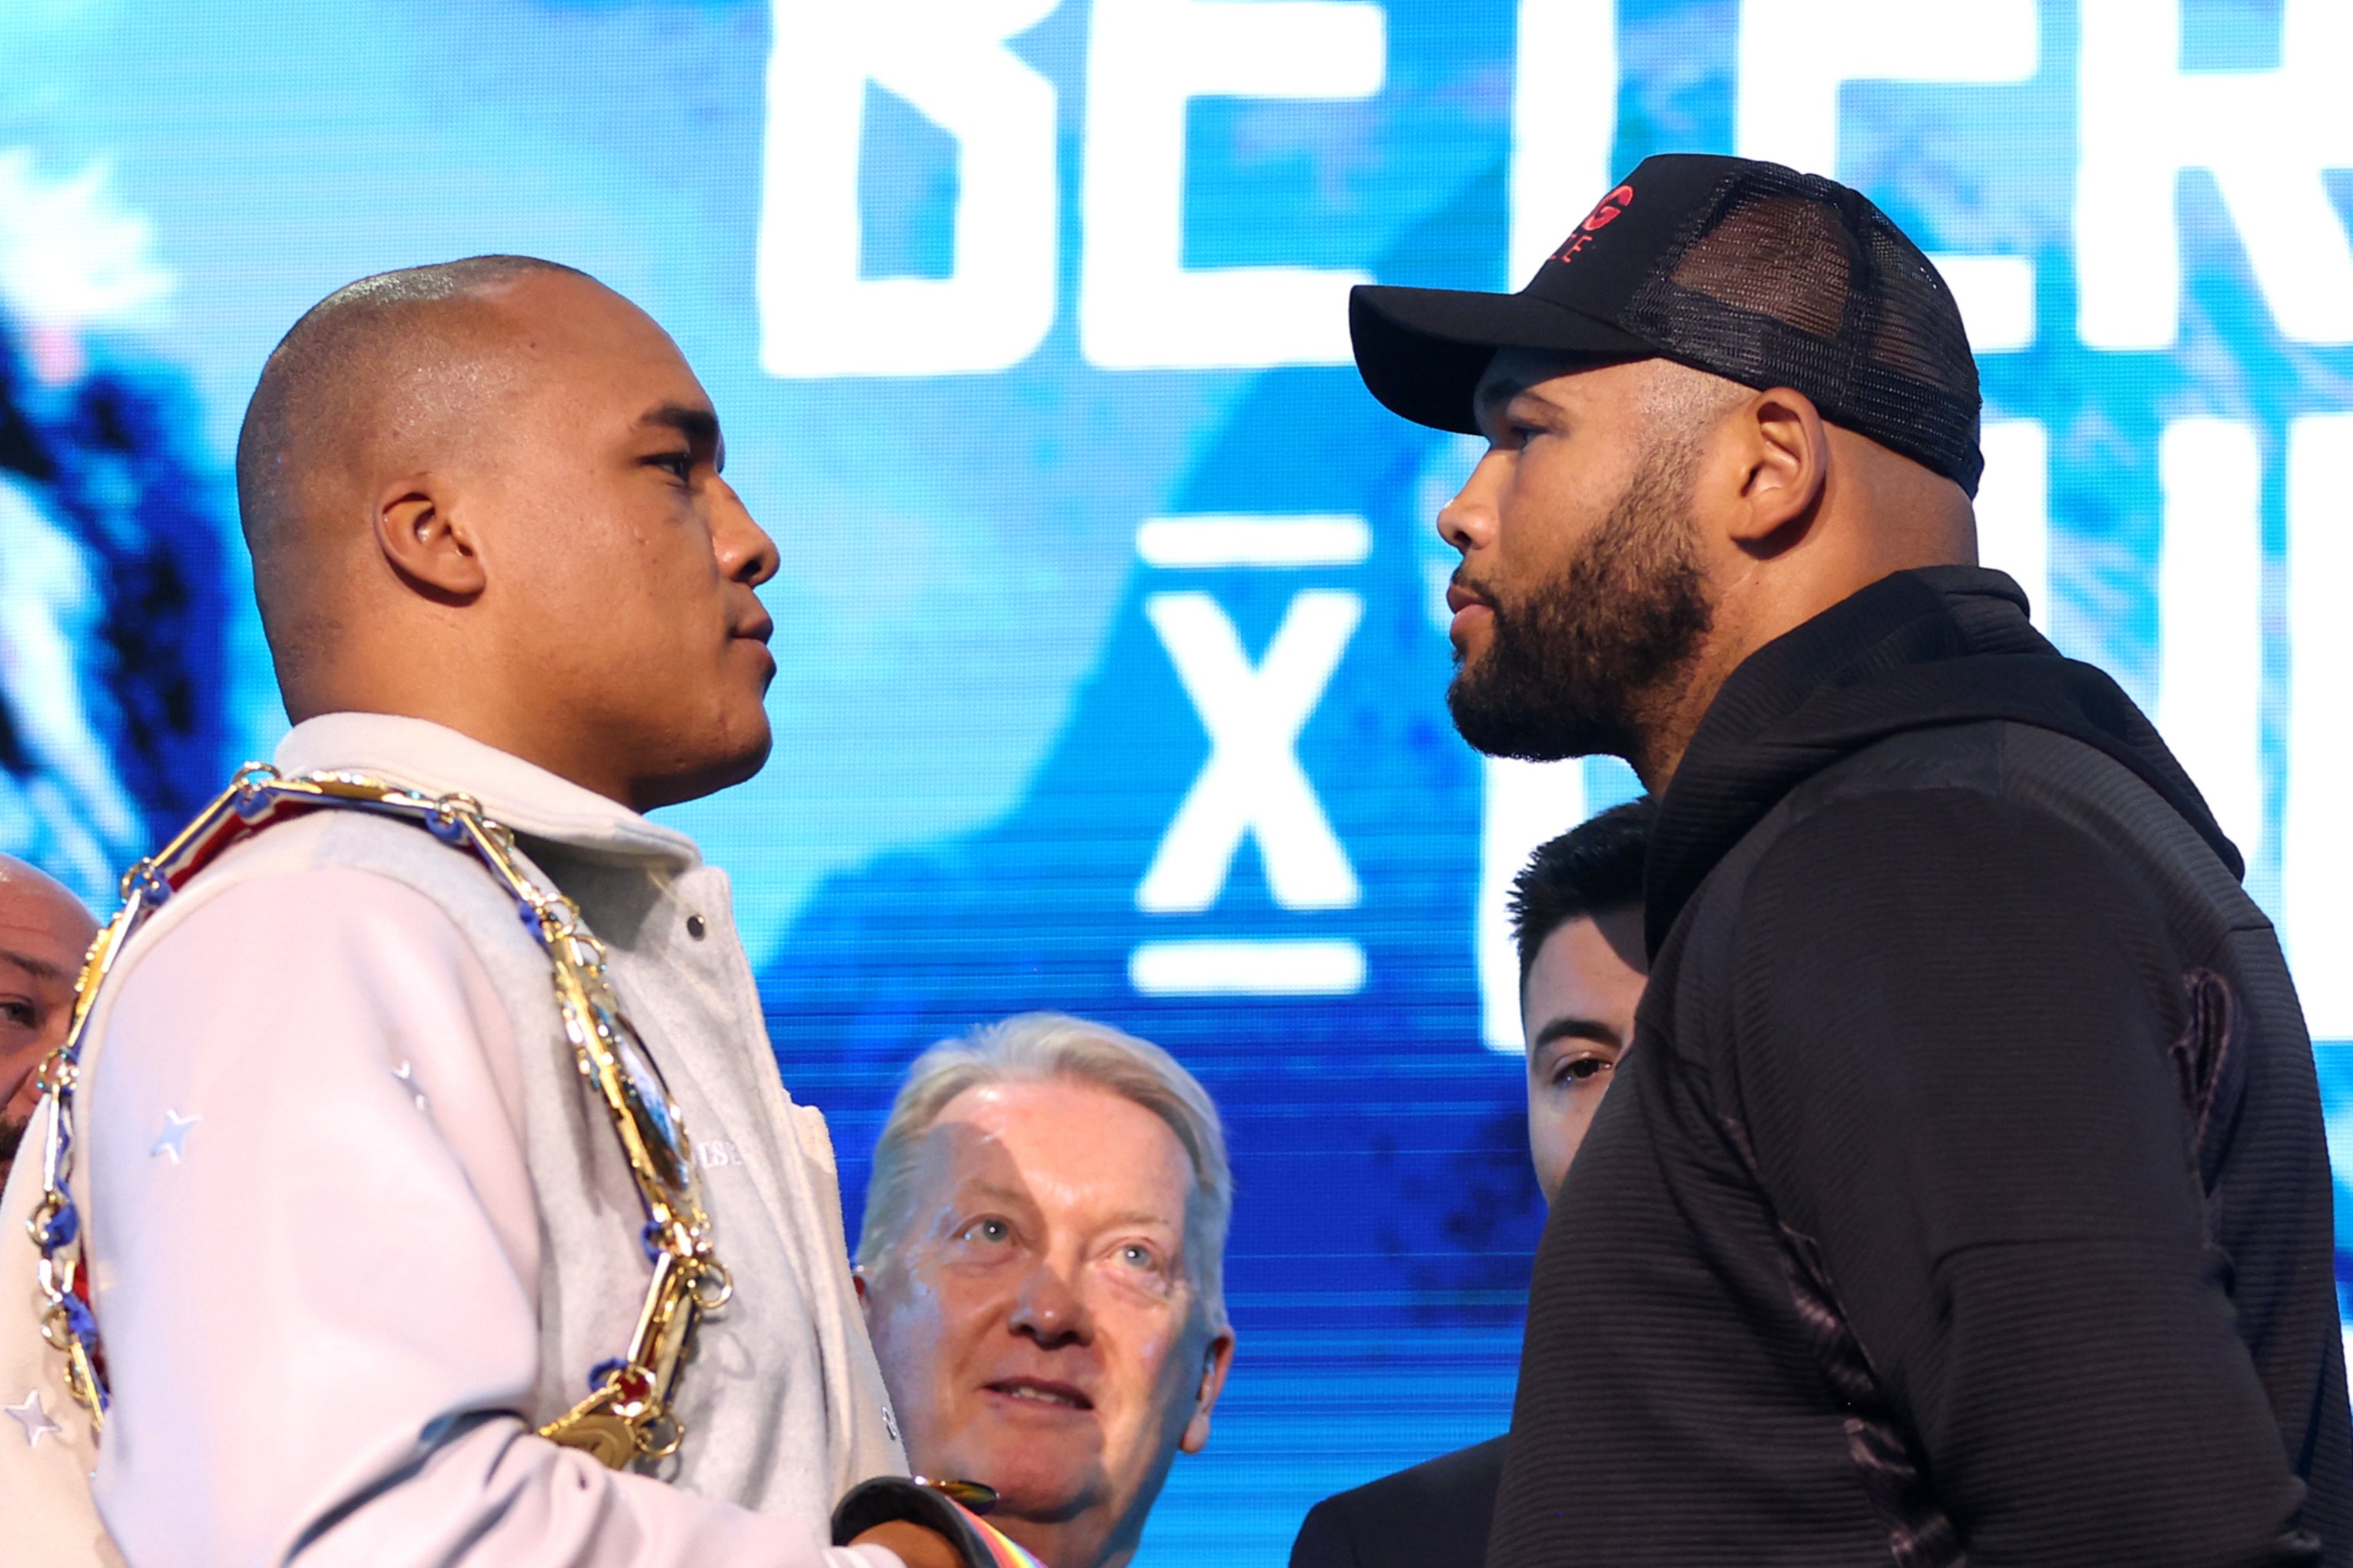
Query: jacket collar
x=527, y=798
x=1916, y=650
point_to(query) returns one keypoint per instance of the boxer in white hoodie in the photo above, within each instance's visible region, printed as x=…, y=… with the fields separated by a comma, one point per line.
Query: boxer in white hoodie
x=355, y=1228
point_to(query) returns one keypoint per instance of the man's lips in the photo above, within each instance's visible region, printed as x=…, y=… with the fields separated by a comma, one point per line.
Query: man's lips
x=1468, y=604
x=1460, y=598
x=1039, y=1391
x=757, y=631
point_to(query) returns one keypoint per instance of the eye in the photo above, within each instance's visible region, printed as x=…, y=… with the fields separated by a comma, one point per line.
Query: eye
x=988, y=1231
x=1581, y=1070
x=679, y=463
x=1137, y=1254
x=19, y=1014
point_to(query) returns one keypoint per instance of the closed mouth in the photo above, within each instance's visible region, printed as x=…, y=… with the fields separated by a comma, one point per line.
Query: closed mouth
x=1460, y=598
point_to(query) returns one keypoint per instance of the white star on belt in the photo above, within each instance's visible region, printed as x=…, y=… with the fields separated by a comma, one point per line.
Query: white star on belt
x=175, y=1131
x=407, y=1077
x=33, y=1419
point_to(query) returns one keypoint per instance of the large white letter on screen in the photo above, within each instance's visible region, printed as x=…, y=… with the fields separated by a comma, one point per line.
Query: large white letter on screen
x=2265, y=136
x=1564, y=120
x=1252, y=782
x=1528, y=803
x=2014, y=508
x=947, y=60
x=1139, y=306
x=2316, y=844
x=1796, y=54
x=2210, y=618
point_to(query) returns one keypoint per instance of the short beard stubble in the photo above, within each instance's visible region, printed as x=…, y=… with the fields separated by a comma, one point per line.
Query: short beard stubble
x=1575, y=668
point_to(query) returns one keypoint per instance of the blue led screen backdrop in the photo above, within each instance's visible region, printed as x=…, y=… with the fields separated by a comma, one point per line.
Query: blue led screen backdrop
x=1110, y=623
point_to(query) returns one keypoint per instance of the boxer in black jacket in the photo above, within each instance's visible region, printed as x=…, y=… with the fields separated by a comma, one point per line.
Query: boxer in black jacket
x=1964, y=1197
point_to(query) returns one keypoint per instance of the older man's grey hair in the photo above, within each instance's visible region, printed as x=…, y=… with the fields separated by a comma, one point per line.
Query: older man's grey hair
x=1040, y=1047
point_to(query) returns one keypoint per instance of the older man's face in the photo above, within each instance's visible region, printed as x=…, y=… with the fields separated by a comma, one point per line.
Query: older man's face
x=1038, y=1324
x=44, y=930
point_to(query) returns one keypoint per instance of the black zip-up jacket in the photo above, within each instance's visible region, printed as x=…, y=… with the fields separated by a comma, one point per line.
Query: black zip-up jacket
x=1964, y=1197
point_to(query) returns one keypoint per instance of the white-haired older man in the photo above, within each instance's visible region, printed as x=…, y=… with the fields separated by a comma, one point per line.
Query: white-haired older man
x=1043, y=1264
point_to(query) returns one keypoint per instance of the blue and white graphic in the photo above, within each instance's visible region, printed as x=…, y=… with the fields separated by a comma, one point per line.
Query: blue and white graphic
x=1112, y=653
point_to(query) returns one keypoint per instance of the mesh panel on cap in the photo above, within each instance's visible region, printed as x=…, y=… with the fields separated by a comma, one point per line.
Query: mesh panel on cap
x=1786, y=280
x=1779, y=258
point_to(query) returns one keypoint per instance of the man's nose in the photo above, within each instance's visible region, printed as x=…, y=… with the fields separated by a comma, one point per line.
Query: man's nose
x=1050, y=1311
x=1468, y=521
x=746, y=553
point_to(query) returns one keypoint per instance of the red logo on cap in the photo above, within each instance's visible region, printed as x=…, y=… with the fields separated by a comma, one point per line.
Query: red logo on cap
x=1604, y=213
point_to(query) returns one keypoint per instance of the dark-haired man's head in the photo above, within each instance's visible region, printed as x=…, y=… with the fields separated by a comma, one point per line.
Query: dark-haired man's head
x=44, y=930
x=1577, y=911
x=487, y=493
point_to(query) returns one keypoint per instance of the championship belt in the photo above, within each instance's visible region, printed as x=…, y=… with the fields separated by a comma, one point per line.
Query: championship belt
x=627, y=1413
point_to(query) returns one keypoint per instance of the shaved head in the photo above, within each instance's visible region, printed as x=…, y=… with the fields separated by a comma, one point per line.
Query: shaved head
x=400, y=364
x=487, y=493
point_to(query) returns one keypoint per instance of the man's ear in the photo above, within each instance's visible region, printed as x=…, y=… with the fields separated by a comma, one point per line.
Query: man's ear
x=1215, y=1360
x=424, y=542
x=1784, y=457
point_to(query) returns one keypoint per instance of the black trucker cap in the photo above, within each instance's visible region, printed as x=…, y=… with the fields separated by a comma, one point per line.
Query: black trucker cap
x=1750, y=271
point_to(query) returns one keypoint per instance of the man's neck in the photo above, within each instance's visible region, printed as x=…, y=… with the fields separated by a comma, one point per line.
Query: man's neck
x=1741, y=624
x=528, y=738
x=1671, y=717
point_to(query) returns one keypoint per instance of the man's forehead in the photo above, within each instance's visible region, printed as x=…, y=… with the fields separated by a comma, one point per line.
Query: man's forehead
x=1607, y=939
x=41, y=921
x=1030, y=1137
x=1556, y=378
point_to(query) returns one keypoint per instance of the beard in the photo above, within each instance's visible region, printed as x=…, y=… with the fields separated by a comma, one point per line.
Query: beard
x=1572, y=669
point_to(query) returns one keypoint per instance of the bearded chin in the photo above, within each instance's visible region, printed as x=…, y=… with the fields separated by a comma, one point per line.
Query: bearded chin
x=1572, y=671
x=1501, y=711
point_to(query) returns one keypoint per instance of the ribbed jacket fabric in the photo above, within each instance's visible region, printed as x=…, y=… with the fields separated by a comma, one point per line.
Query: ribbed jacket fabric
x=1965, y=1196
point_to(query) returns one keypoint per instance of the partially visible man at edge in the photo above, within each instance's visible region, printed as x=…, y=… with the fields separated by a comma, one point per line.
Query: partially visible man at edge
x=1965, y=1196
x=44, y=931
x=1576, y=916
x=1042, y=1262
x=355, y=1227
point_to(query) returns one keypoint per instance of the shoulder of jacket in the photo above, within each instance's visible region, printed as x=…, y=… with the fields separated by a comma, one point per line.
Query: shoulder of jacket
x=358, y=843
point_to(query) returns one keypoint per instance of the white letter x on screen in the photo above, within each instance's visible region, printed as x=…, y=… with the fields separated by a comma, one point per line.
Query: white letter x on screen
x=1252, y=781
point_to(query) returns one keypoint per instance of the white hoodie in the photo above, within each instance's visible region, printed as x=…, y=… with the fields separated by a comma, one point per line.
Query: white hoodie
x=356, y=1225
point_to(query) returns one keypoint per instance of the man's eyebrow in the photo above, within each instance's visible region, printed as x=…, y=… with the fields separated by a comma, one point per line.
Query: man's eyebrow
x=1567, y=1028
x=698, y=425
x=1142, y=1216
x=695, y=424
x=999, y=1191
x=40, y=968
